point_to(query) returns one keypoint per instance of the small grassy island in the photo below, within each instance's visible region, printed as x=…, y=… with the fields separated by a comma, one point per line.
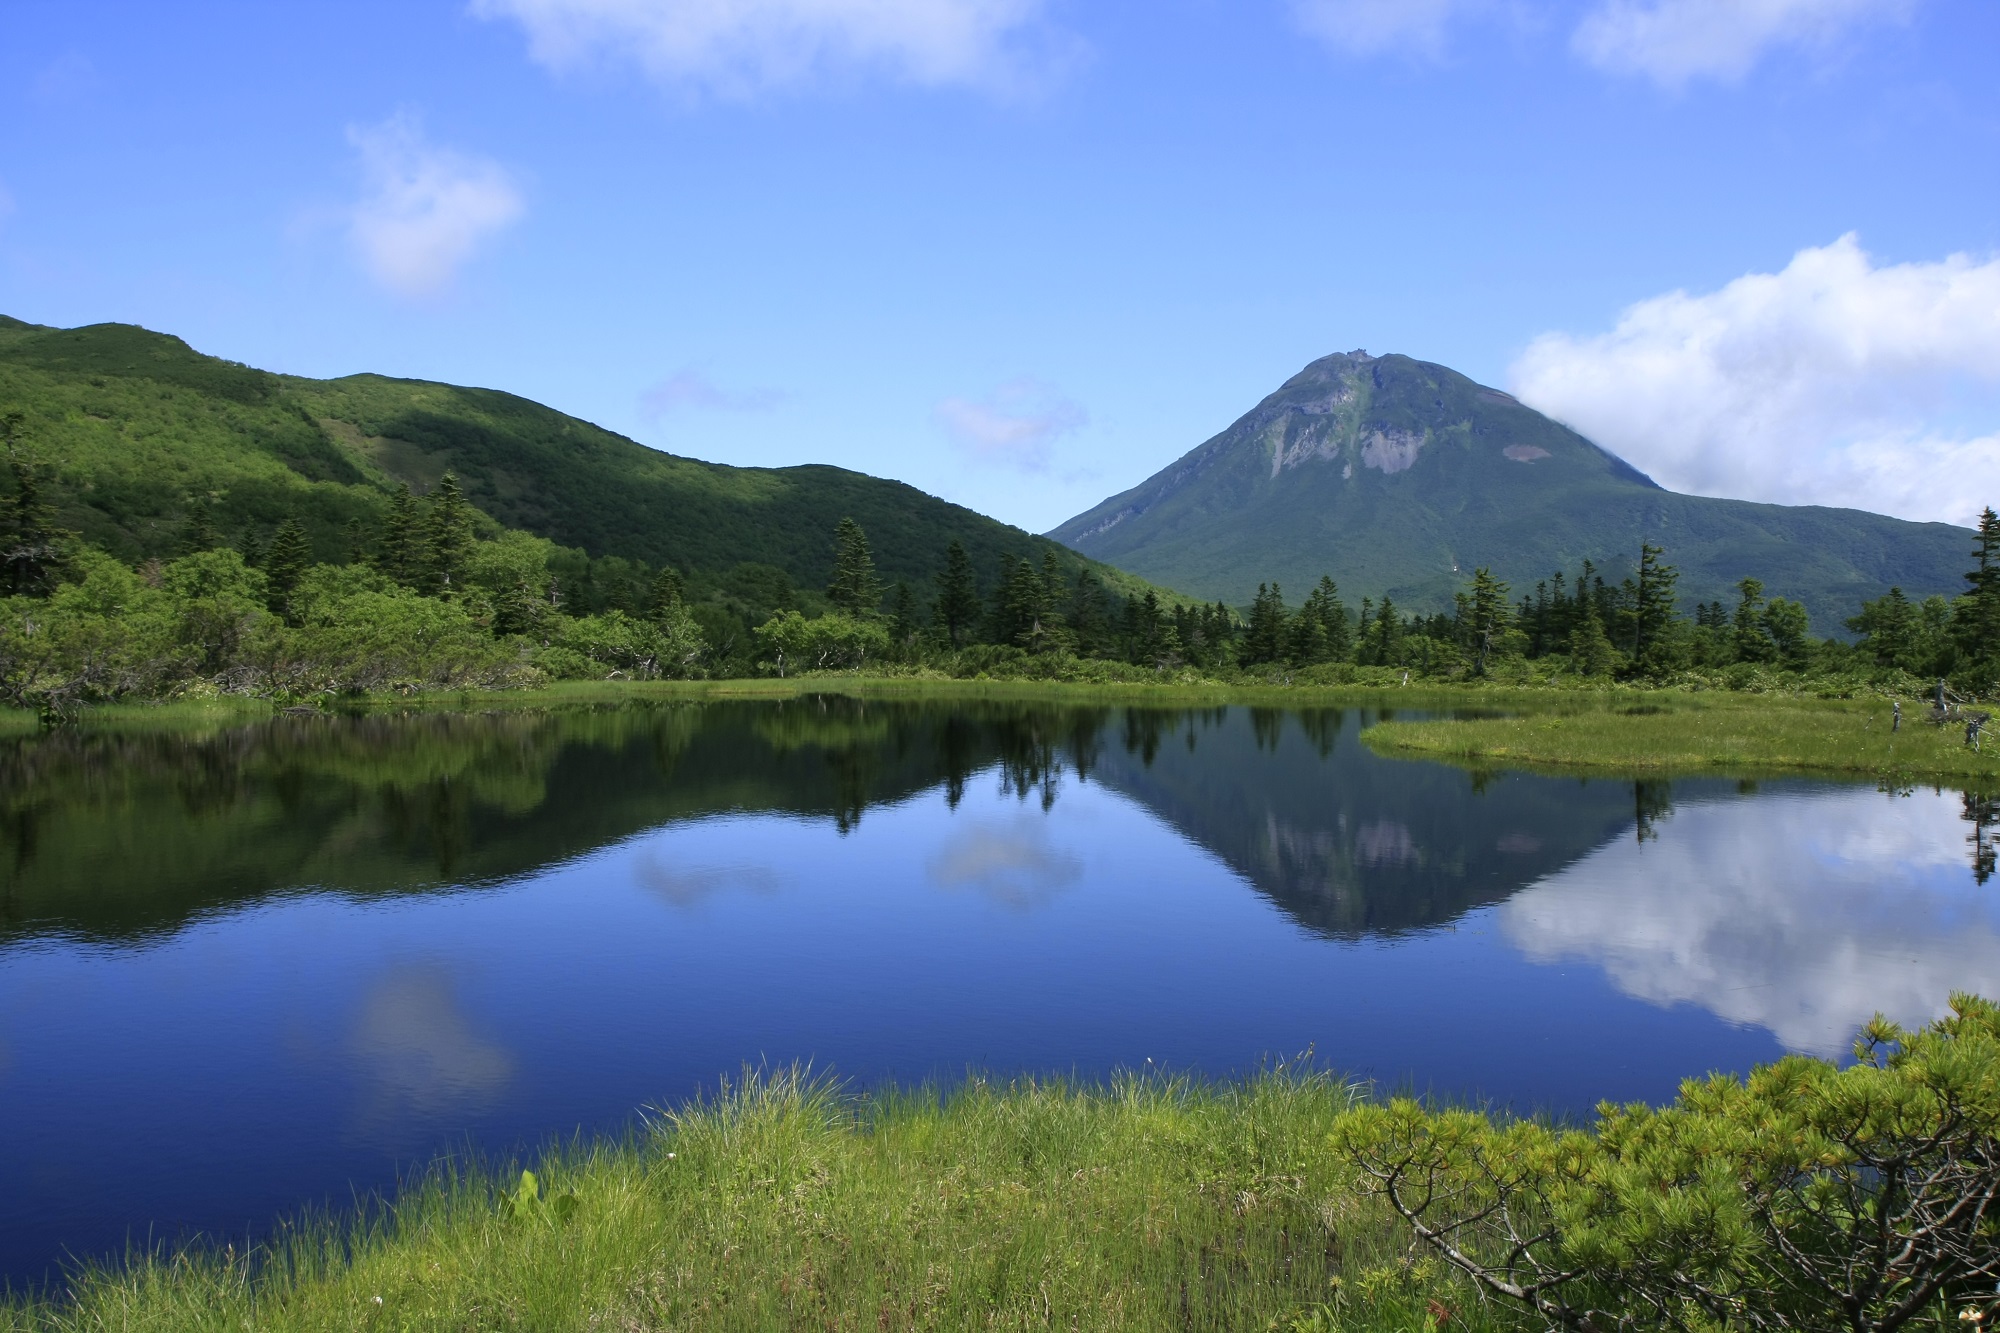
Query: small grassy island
x=1806, y=1197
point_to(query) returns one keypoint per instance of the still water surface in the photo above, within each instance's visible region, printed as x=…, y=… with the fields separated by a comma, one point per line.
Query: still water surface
x=273, y=966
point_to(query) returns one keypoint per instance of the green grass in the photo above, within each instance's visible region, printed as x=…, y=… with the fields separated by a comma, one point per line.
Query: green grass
x=1671, y=733
x=1151, y=1203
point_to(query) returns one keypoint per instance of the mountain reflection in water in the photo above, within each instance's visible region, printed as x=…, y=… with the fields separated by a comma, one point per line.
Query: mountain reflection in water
x=259, y=967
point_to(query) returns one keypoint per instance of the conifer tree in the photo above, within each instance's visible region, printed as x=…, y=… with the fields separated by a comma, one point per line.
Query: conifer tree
x=286, y=562
x=1089, y=615
x=197, y=529
x=1488, y=616
x=903, y=627
x=1652, y=607
x=1264, y=638
x=354, y=540
x=956, y=610
x=855, y=590
x=1590, y=650
x=448, y=538
x=668, y=591
x=34, y=549
x=1979, y=621
x=396, y=552
x=1388, y=633
x=1748, y=639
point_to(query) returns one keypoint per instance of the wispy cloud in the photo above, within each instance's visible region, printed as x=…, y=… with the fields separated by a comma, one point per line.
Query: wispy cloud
x=1373, y=27
x=692, y=391
x=740, y=48
x=1675, y=41
x=67, y=80
x=1834, y=381
x=1017, y=425
x=424, y=210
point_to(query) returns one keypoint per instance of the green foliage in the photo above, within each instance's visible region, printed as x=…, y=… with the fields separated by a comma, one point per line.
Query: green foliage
x=792, y=643
x=157, y=451
x=1805, y=1197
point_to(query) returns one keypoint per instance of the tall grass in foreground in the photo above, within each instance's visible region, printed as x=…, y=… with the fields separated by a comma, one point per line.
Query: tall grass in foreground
x=1150, y=1203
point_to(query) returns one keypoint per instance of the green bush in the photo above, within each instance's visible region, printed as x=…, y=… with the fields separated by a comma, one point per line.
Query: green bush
x=1805, y=1197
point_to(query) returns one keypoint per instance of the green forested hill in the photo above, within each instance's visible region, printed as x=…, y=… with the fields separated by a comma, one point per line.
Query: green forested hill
x=1400, y=477
x=138, y=428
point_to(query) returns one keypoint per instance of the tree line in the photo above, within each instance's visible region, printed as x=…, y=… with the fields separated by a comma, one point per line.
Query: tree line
x=435, y=594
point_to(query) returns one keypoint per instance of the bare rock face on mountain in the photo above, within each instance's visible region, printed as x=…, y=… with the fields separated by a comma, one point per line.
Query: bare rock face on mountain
x=1400, y=477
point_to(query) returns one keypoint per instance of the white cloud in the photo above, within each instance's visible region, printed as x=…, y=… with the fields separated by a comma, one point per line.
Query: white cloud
x=1802, y=914
x=1016, y=426
x=1372, y=27
x=1835, y=381
x=1674, y=41
x=424, y=210
x=691, y=390
x=739, y=47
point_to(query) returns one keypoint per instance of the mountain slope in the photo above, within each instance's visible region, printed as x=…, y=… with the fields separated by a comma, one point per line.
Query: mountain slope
x=137, y=424
x=1399, y=476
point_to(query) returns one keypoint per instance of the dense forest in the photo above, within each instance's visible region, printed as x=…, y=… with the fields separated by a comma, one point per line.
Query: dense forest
x=434, y=594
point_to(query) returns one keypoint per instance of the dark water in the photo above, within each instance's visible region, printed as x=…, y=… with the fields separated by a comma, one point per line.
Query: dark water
x=268, y=967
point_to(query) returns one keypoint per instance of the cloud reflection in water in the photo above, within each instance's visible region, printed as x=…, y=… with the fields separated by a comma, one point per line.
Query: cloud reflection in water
x=1802, y=913
x=1011, y=863
x=417, y=1054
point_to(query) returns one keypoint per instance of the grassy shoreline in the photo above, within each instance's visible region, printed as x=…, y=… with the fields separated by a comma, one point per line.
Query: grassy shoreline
x=1741, y=734
x=1626, y=729
x=1149, y=1202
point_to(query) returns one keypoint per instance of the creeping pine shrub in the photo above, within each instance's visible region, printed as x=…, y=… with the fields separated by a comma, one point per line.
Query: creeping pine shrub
x=1805, y=1197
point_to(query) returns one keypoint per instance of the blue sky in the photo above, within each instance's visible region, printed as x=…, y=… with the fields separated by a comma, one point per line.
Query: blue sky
x=1023, y=253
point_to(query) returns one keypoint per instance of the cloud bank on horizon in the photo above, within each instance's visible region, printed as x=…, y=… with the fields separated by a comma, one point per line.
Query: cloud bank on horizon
x=738, y=48
x=1823, y=383
x=424, y=210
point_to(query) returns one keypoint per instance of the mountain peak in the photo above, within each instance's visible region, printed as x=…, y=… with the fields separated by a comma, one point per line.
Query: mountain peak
x=1397, y=475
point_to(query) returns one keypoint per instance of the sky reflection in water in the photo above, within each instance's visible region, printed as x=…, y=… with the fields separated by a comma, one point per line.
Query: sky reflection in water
x=243, y=973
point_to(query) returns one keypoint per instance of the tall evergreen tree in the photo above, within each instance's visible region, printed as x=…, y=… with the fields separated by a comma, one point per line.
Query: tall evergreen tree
x=956, y=610
x=1489, y=616
x=1020, y=610
x=1590, y=649
x=396, y=551
x=33, y=548
x=1979, y=632
x=854, y=590
x=286, y=562
x=1089, y=615
x=668, y=591
x=1748, y=639
x=1387, y=634
x=1652, y=608
x=448, y=537
x=1264, y=638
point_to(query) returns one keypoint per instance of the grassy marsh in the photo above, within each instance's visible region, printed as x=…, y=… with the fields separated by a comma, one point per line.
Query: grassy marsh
x=1150, y=1203
x=1669, y=733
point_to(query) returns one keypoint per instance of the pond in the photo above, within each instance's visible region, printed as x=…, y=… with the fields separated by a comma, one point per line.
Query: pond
x=275, y=965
